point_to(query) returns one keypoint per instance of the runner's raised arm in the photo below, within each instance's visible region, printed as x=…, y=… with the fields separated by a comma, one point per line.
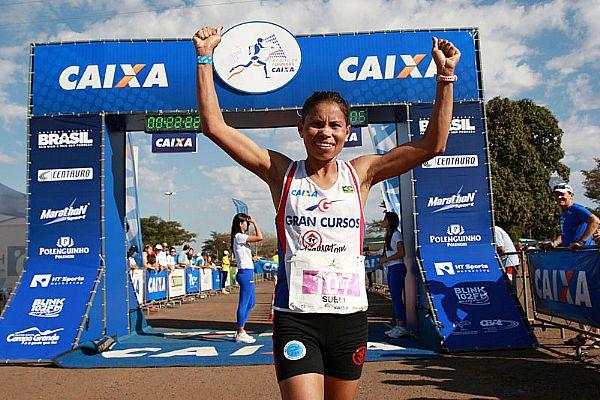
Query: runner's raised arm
x=266, y=164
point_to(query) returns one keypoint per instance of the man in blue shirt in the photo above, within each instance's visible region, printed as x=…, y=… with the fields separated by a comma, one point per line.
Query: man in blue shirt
x=577, y=224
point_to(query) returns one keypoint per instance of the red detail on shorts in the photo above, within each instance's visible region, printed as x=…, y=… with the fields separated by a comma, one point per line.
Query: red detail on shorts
x=359, y=355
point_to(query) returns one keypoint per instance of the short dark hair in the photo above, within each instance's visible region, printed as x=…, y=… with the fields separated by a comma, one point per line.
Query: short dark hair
x=186, y=247
x=321, y=97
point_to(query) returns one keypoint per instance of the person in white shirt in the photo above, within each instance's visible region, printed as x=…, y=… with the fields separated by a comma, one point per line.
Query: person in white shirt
x=240, y=242
x=504, y=244
x=161, y=257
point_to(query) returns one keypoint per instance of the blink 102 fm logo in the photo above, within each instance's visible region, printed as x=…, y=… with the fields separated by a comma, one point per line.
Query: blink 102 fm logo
x=450, y=268
x=47, y=308
x=257, y=57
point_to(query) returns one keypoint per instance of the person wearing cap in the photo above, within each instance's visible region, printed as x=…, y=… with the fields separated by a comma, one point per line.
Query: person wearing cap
x=161, y=257
x=224, y=271
x=577, y=223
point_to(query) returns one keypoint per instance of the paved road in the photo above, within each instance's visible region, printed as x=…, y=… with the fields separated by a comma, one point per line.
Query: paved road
x=532, y=374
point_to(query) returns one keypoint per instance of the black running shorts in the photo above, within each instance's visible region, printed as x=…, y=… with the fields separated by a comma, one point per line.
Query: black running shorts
x=327, y=344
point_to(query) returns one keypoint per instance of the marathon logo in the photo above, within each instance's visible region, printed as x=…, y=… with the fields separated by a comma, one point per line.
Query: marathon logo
x=68, y=213
x=563, y=286
x=64, y=139
x=460, y=125
x=65, y=174
x=47, y=308
x=64, y=249
x=323, y=222
x=93, y=78
x=465, y=161
x=34, y=336
x=355, y=69
x=455, y=238
x=457, y=200
x=472, y=295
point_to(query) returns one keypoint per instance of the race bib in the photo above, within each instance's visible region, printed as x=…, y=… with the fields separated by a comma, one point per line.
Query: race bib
x=325, y=283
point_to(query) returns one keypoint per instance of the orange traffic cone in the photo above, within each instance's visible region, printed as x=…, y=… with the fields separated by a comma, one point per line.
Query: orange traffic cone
x=270, y=319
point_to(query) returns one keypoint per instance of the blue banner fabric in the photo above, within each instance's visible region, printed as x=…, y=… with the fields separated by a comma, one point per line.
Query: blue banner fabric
x=156, y=285
x=474, y=304
x=240, y=206
x=216, y=279
x=45, y=313
x=192, y=281
x=174, y=143
x=366, y=68
x=567, y=284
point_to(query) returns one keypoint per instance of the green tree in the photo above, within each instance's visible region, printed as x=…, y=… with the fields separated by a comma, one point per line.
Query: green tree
x=592, y=183
x=525, y=151
x=156, y=230
x=217, y=243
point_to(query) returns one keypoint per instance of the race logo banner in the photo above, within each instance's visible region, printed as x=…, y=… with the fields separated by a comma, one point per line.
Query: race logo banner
x=192, y=282
x=45, y=313
x=174, y=143
x=567, y=284
x=177, y=282
x=156, y=285
x=257, y=57
x=474, y=304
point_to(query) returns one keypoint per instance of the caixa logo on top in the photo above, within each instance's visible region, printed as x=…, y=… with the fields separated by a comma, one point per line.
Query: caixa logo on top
x=376, y=68
x=257, y=57
x=113, y=76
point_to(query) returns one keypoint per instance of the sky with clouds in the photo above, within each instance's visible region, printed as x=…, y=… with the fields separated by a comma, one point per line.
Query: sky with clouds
x=546, y=51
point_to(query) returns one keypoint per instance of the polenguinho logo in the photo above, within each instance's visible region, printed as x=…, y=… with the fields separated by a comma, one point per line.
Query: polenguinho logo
x=257, y=57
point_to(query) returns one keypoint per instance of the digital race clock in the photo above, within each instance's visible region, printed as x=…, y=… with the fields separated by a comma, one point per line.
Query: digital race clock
x=173, y=123
x=358, y=117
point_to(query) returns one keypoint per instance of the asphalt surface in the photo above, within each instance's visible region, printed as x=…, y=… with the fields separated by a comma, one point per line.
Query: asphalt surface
x=550, y=372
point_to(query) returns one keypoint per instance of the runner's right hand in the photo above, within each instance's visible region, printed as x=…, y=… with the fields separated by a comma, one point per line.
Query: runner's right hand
x=206, y=39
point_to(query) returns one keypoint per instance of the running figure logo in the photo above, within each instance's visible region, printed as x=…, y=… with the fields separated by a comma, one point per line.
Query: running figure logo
x=257, y=57
x=259, y=54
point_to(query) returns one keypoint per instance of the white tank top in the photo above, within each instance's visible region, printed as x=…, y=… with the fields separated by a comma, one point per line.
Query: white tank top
x=320, y=236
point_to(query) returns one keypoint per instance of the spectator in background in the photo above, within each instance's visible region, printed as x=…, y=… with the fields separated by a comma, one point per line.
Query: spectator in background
x=149, y=258
x=131, y=264
x=224, y=271
x=171, y=258
x=504, y=244
x=182, y=257
x=161, y=257
x=200, y=260
x=165, y=246
x=577, y=225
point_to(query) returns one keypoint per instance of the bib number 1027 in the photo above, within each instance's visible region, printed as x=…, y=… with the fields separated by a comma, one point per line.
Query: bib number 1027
x=330, y=283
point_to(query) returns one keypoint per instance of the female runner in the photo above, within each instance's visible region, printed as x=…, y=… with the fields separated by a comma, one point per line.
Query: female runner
x=320, y=325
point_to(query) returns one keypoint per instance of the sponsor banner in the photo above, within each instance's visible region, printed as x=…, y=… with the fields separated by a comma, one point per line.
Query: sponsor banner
x=66, y=210
x=206, y=280
x=177, y=282
x=66, y=244
x=156, y=285
x=474, y=304
x=45, y=311
x=371, y=263
x=354, y=138
x=457, y=161
x=137, y=282
x=216, y=279
x=174, y=143
x=192, y=281
x=65, y=174
x=567, y=284
x=369, y=68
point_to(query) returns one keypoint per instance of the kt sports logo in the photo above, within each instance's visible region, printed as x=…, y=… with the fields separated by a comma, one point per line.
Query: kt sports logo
x=449, y=268
x=257, y=57
x=45, y=280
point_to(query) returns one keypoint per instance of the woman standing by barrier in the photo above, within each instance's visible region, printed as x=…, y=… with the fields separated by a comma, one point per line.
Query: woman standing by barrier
x=320, y=325
x=245, y=275
x=393, y=260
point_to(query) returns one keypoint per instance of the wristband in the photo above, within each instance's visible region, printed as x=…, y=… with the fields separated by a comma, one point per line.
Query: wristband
x=446, y=78
x=205, y=60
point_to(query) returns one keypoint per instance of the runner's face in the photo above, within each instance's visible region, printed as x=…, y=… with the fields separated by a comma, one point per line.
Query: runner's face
x=324, y=131
x=564, y=200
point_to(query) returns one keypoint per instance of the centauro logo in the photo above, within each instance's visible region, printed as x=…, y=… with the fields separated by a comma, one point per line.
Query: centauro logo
x=355, y=69
x=94, y=77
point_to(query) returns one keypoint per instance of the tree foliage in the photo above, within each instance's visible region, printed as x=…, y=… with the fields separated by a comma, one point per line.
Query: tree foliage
x=592, y=183
x=525, y=151
x=156, y=230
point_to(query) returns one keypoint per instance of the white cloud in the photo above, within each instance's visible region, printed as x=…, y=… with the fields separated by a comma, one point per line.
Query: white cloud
x=6, y=159
x=582, y=93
